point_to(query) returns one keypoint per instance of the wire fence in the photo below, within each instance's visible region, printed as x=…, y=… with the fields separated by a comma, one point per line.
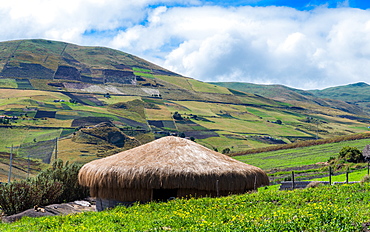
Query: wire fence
x=293, y=184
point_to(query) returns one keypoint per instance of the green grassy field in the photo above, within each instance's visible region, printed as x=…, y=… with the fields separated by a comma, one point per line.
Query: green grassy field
x=325, y=208
x=15, y=136
x=175, y=80
x=143, y=70
x=161, y=113
x=355, y=94
x=356, y=175
x=299, y=156
x=224, y=141
x=225, y=118
x=8, y=83
x=208, y=88
x=235, y=123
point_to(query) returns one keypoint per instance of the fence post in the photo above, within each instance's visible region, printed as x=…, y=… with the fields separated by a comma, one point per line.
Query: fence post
x=56, y=149
x=10, y=164
x=330, y=175
x=29, y=163
x=347, y=175
x=368, y=167
x=293, y=182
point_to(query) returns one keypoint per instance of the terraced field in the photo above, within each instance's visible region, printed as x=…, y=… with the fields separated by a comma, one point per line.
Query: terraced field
x=49, y=85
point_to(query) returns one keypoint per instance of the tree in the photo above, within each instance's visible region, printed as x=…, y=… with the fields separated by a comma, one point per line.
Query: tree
x=226, y=151
x=177, y=116
x=351, y=154
x=279, y=122
x=73, y=101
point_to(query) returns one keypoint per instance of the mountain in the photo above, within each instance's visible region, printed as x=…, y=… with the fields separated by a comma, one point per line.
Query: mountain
x=53, y=94
x=341, y=98
x=357, y=94
x=51, y=60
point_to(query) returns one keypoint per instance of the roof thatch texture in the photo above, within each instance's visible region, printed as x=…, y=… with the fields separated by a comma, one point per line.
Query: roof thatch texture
x=168, y=163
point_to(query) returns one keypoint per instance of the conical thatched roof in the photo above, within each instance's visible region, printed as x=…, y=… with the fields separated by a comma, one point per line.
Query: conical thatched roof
x=170, y=163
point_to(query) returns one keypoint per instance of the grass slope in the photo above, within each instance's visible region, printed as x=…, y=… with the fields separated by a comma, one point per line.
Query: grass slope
x=227, y=125
x=299, y=156
x=342, y=98
x=39, y=79
x=357, y=94
x=325, y=208
x=308, y=163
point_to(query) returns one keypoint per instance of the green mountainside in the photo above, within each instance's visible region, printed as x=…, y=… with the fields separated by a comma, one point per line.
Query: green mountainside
x=52, y=90
x=358, y=94
x=352, y=98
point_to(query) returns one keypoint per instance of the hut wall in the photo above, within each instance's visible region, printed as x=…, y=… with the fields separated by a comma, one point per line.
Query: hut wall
x=122, y=195
x=110, y=199
x=143, y=195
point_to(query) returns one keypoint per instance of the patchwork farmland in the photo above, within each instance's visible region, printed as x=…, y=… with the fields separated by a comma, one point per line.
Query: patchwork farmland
x=53, y=86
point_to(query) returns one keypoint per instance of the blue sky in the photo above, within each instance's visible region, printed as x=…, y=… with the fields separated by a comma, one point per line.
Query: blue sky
x=303, y=44
x=297, y=4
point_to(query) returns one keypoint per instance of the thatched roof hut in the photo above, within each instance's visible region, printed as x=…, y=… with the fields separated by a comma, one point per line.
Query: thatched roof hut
x=168, y=167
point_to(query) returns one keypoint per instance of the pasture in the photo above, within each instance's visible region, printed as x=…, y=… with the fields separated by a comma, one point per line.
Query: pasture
x=325, y=208
x=199, y=86
x=298, y=157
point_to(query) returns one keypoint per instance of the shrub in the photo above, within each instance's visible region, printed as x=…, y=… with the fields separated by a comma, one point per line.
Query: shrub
x=22, y=195
x=351, y=154
x=177, y=116
x=67, y=175
x=55, y=185
x=226, y=151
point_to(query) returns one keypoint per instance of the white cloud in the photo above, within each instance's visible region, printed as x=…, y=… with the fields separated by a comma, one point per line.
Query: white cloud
x=69, y=19
x=305, y=49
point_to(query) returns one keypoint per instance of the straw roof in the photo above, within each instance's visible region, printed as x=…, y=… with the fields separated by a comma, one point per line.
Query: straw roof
x=170, y=163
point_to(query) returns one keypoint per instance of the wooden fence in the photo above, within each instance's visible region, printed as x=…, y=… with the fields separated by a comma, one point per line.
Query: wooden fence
x=289, y=185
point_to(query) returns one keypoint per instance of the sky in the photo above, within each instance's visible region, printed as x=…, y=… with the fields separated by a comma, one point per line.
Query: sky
x=305, y=44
